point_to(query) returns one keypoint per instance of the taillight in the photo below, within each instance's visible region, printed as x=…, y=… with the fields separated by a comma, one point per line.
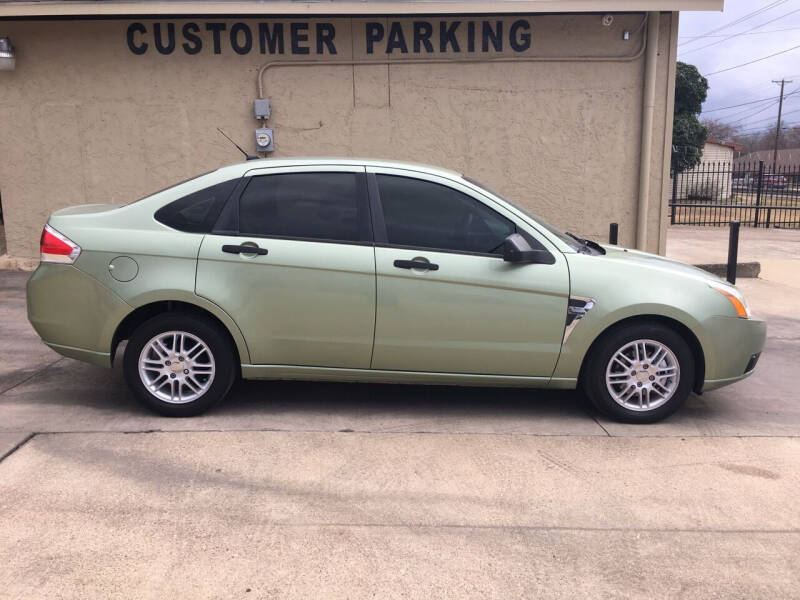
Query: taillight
x=57, y=248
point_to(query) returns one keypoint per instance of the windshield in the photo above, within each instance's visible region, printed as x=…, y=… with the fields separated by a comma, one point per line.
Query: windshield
x=569, y=241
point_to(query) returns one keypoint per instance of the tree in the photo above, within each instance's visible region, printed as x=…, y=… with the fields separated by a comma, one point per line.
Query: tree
x=688, y=134
x=719, y=130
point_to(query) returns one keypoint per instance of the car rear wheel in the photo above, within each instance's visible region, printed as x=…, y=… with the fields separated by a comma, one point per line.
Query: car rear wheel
x=179, y=365
x=639, y=374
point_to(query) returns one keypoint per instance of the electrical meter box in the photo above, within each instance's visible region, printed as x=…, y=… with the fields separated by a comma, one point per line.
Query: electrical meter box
x=264, y=140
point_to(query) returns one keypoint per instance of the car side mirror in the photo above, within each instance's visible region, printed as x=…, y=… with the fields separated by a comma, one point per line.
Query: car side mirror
x=516, y=249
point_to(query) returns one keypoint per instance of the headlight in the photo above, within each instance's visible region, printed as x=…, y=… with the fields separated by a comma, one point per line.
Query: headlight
x=734, y=297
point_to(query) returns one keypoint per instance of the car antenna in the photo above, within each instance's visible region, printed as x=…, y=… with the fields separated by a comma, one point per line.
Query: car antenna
x=247, y=156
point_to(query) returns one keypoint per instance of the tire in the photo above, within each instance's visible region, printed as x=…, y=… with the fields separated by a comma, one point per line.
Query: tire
x=639, y=393
x=167, y=389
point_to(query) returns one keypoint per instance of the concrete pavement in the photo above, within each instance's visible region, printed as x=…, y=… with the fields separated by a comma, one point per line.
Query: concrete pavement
x=312, y=490
x=364, y=515
x=694, y=245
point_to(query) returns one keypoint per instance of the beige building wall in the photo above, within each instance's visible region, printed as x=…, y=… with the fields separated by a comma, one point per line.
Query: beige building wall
x=717, y=153
x=85, y=120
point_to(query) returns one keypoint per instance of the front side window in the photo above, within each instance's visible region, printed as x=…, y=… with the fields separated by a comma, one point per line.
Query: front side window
x=429, y=215
x=322, y=206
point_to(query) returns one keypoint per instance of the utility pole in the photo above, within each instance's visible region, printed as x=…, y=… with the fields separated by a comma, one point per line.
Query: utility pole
x=783, y=83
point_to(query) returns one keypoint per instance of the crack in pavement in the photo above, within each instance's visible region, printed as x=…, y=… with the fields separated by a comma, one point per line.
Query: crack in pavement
x=24, y=441
x=31, y=376
x=396, y=433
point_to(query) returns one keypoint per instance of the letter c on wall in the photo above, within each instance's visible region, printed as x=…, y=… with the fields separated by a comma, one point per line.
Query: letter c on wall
x=132, y=29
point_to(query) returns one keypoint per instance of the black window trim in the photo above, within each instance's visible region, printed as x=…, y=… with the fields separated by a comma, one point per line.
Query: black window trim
x=228, y=222
x=382, y=238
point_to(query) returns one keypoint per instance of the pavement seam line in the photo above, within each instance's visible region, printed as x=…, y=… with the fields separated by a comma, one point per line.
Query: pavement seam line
x=27, y=439
x=31, y=376
x=594, y=418
x=454, y=433
x=564, y=528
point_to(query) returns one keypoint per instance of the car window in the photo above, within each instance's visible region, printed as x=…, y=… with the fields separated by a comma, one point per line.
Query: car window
x=197, y=212
x=429, y=215
x=303, y=205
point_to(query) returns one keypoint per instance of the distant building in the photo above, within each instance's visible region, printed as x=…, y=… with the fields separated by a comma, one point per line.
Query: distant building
x=788, y=159
x=712, y=178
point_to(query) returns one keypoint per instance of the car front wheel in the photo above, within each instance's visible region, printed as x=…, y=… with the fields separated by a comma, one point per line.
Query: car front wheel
x=179, y=365
x=639, y=374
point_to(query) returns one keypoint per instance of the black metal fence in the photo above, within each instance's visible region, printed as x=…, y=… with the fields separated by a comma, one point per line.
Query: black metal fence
x=754, y=194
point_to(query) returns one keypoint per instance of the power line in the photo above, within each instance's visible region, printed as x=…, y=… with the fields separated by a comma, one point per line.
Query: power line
x=749, y=110
x=736, y=21
x=752, y=114
x=743, y=104
x=760, y=111
x=764, y=130
x=791, y=112
x=733, y=35
x=741, y=19
x=767, y=127
x=751, y=62
x=746, y=32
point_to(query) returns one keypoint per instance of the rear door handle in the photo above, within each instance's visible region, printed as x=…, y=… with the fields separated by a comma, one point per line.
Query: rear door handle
x=243, y=249
x=416, y=264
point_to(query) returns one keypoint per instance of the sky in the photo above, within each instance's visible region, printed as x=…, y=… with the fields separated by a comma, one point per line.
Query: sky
x=775, y=28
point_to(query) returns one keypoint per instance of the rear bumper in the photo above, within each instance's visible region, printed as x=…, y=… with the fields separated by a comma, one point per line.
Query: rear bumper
x=732, y=346
x=74, y=313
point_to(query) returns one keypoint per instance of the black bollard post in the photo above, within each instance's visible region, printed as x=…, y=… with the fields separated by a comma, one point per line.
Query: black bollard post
x=733, y=251
x=613, y=233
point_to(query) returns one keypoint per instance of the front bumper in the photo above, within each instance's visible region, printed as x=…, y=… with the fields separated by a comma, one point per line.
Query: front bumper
x=732, y=343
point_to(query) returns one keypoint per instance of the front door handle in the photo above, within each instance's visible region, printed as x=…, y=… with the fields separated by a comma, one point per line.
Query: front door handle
x=243, y=249
x=416, y=264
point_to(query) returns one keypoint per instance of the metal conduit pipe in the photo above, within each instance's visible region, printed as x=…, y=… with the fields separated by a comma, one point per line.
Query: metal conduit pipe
x=648, y=107
x=439, y=61
x=649, y=43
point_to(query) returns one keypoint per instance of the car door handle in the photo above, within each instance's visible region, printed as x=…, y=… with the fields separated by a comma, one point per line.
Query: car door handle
x=243, y=249
x=416, y=264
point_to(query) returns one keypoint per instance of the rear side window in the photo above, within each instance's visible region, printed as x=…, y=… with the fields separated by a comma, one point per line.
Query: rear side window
x=429, y=215
x=197, y=212
x=325, y=206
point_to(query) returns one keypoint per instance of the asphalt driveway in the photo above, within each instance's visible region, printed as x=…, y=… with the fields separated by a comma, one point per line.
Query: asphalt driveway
x=363, y=490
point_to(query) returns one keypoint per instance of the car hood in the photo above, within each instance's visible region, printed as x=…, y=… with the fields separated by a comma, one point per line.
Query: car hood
x=656, y=262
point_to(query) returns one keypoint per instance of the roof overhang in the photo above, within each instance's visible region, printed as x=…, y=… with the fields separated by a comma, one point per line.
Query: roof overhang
x=76, y=8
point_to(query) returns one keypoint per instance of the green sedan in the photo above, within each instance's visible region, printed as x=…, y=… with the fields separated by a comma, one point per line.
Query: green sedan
x=365, y=270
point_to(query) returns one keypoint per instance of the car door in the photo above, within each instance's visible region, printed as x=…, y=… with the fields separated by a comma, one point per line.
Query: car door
x=447, y=301
x=291, y=260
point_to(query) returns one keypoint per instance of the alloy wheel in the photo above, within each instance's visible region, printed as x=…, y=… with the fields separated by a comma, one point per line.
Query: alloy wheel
x=176, y=367
x=642, y=375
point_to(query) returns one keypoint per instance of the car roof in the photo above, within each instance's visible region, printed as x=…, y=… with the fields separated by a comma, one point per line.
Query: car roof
x=242, y=168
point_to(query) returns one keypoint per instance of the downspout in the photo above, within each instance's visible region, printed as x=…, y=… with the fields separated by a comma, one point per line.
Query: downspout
x=648, y=107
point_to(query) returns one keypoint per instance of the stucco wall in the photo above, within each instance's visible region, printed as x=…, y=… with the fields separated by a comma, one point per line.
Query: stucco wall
x=83, y=119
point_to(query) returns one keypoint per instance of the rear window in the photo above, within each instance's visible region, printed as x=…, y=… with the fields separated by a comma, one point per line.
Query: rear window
x=197, y=212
